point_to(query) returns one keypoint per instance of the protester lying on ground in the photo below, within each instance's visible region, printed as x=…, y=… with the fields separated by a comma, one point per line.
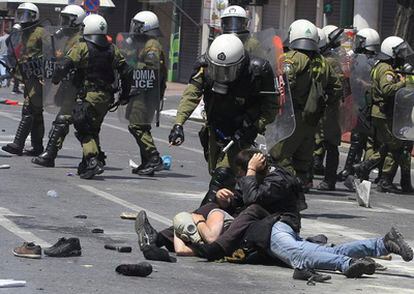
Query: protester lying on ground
x=260, y=191
x=192, y=228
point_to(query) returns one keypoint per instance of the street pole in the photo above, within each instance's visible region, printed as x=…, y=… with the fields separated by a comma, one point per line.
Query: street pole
x=347, y=14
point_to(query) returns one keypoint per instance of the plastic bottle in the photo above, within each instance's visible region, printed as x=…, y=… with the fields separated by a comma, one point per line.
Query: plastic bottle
x=166, y=159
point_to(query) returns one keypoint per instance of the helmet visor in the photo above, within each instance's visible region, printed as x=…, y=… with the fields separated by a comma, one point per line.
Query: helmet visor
x=137, y=27
x=223, y=73
x=25, y=16
x=234, y=24
x=336, y=37
x=404, y=51
x=67, y=20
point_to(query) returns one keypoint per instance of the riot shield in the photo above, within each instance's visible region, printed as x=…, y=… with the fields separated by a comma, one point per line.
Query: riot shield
x=403, y=118
x=25, y=52
x=360, y=82
x=145, y=98
x=271, y=49
x=348, y=110
x=56, y=44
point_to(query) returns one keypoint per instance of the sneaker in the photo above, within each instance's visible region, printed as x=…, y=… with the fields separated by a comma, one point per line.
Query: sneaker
x=28, y=250
x=64, y=248
x=147, y=235
x=141, y=269
x=359, y=267
x=310, y=275
x=394, y=242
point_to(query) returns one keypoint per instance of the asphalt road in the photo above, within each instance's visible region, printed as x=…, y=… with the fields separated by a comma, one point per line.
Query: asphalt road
x=27, y=213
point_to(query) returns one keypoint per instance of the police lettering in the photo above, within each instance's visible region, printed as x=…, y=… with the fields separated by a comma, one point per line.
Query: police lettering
x=144, y=78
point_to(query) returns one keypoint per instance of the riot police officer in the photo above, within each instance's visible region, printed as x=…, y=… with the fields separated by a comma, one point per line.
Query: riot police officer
x=367, y=43
x=237, y=90
x=234, y=20
x=29, y=68
x=314, y=86
x=385, y=84
x=71, y=19
x=146, y=50
x=96, y=59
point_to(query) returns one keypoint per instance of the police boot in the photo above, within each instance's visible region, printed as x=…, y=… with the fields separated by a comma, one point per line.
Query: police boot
x=222, y=177
x=38, y=131
x=332, y=161
x=405, y=182
x=351, y=158
x=56, y=137
x=22, y=132
x=154, y=164
x=385, y=185
x=363, y=169
x=93, y=167
x=144, y=162
x=318, y=168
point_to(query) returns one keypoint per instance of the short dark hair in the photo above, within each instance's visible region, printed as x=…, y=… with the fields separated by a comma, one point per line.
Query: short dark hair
x=243, y=157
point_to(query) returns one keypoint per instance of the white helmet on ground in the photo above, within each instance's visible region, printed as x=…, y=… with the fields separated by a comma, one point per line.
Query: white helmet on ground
x=322, y=38
x=225, y=58
x=367, y=39
x=95, y=29
x=234, y=20
x=303, y=35
x=145, y=22
x=72, y=16
x=334, y=35
x=27, y=13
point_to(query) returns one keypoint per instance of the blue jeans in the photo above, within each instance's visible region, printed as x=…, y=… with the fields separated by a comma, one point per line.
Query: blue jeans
x=289, y=247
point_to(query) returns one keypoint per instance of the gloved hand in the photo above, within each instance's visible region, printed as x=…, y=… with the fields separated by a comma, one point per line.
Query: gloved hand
x=176, y=137
x=246, y=134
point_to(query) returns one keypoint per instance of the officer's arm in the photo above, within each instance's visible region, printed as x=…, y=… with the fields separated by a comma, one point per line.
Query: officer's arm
x=125, y=73
x=291, y=69
x=333, y=90
x=388, y=84
x=72, y=60
x=191, y=98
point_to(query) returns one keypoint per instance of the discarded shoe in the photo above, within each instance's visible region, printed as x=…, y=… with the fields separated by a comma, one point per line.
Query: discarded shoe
x=394, y=242
x=142, y=269
x=152, y=252
x=147, y=235
x=310, y=275
x=64, y=248
x=359, y=267
x=28, y=250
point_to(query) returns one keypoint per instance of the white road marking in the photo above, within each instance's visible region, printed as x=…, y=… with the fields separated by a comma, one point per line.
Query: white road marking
x=9, y=116
x=126, y=204
x=13, y=228
x=155, y=139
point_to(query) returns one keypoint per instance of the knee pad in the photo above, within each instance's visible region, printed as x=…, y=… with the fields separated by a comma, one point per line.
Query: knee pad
x=185, y=228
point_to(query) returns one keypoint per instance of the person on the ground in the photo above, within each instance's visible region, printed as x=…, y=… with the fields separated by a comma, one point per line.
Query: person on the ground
x=27, y=51
x=71, y=20
x=98, y=61
x=237, y=90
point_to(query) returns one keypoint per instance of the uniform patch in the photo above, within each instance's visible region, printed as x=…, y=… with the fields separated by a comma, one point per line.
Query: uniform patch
x=389, y=78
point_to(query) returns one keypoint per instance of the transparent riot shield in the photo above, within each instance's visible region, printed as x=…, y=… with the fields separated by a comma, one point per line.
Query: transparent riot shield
x=56, y=43
x=271, y=49
x=145, y=98
x=26, y=56
x=348, y=109
x=360, y=82
x=403, y=118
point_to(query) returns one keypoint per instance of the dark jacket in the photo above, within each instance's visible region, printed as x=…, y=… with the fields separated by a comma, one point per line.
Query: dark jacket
x=277, y=193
